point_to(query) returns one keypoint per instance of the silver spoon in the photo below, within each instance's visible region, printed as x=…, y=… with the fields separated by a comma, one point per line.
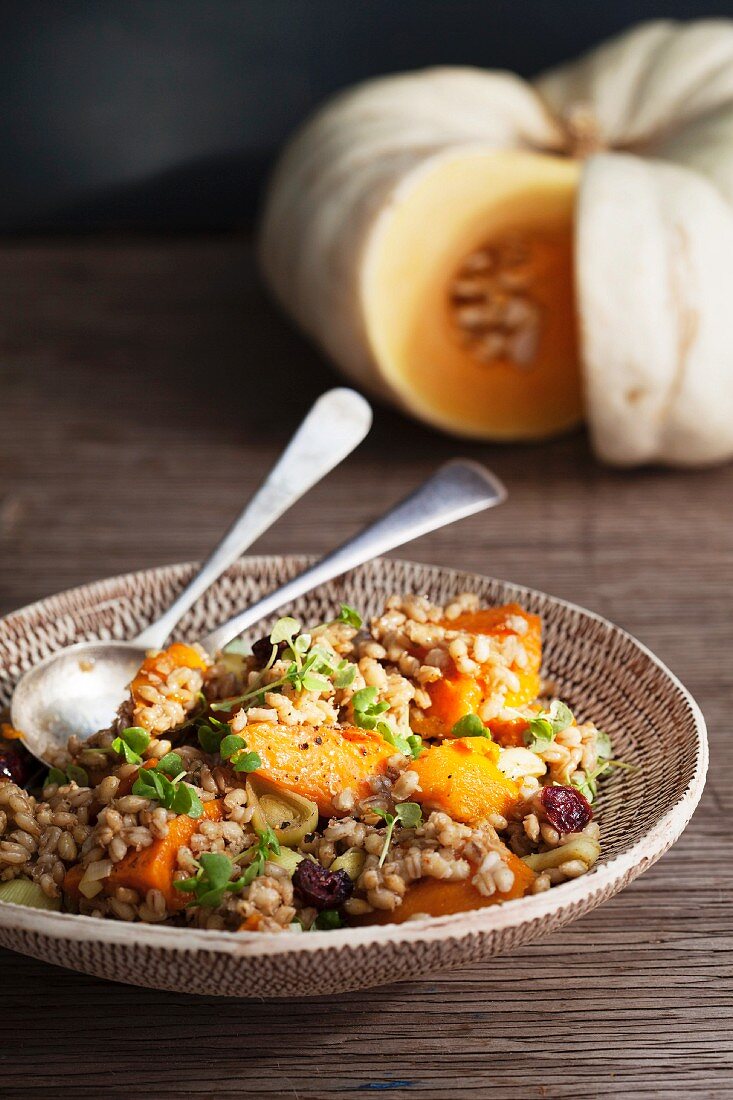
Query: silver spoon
x=78, y=689
x=458, y=489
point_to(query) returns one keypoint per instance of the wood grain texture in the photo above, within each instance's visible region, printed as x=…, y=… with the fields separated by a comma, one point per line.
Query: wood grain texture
x=145, y=387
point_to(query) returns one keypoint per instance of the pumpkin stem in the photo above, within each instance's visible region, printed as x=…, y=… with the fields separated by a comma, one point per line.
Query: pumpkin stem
x=583, y=131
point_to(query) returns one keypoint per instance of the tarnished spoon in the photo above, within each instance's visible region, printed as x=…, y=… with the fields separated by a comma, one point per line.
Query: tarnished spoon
x=78, y=689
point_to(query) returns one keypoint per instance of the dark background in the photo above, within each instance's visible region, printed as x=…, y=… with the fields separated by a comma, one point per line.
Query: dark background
x=165, y=114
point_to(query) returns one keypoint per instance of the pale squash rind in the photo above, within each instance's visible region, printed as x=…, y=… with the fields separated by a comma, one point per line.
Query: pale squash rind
x=655, y=267
x=653, y=240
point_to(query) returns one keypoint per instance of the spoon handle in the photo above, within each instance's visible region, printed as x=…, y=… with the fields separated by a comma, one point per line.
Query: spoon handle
x=458, y=489
x=335, y=425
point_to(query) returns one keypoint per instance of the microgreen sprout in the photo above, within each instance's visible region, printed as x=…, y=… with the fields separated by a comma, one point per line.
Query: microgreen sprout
x=344, y=675
x=312, y=667
x=72, y=774
x=367, y=710
x=170, y=765
x=267, y=845
x=215, y=737
x=212, y=880
x=349, y=616
x=411, y=745
x=211, y=732
x=166, y=787
x=131, y=743
x=588, y=784
x=470, y=725
x=284, y=630
x=367, y=715
x=543, y=729
x=247, y=762
x=408, y=814
x=305, y=673
x=327, y=921
x=230, y=745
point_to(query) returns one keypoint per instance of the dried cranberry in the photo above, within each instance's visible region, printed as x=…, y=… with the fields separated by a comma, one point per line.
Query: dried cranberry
x=262, y=650
x=16, y=765
x=321, y=888
x=566, y=808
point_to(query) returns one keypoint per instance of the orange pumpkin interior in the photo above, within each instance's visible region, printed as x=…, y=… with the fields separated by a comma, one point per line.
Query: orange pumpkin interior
x=468, y=294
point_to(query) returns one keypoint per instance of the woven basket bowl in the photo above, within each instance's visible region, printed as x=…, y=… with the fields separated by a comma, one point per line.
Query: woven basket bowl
x=603, y=673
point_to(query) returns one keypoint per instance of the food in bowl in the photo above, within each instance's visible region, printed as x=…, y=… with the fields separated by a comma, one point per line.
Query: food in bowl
x=335, y=775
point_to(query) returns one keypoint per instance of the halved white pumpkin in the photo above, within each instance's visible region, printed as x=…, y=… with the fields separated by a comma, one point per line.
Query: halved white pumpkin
x=459, y=243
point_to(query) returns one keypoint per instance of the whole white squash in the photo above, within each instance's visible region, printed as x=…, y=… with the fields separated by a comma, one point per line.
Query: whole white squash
x=502, y=258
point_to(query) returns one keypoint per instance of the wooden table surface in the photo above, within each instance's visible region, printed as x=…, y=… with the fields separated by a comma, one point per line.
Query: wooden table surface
x=145, y=386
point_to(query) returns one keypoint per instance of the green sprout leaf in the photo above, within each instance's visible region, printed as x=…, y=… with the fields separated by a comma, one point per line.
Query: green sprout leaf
x=131, y=743
x=587, y=782
x=311, y=681
x=186, y=801
x=77, y=775
x=349, y=616
x=175, y=795
x=267, y=845
x=409, y=746
x=561, y=716
x=408, y=814
x=73, y=774
x=366, y=708
x=170, y=764
x=344, y=675
x=212, y=880
x=209, y=738
x=470, y=725
x=544, y=728
x=327, y=920
x=247, y=762
x=284, y=630
x=604, y=750
x=230, y=745
x=301, y=644
x=313, y=667
x=416, y=746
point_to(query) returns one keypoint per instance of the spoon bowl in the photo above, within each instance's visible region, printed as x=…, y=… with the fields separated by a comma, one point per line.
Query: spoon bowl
x=75, y=691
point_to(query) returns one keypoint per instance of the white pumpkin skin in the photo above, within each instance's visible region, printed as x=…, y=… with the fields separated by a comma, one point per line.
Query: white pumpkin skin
x=350, y=163
x=654, y=262
x=653, y=244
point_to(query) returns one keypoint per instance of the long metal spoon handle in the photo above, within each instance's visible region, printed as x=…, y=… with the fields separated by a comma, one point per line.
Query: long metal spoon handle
x=458, y=489
x=336, y=424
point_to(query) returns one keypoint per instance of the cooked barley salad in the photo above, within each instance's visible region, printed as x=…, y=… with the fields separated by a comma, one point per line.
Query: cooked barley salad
x=334, y=775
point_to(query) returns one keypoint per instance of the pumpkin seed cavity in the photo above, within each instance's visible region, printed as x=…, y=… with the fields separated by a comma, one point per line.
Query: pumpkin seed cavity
x=492, y=307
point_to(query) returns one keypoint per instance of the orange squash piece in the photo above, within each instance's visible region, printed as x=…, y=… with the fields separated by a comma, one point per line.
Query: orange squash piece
x=497, y=621
x=438, y=898
x=508, y=732
x=151, y=868
x=457, y=694
x=318, y=763
x=159, y=667
x=252, y=923
x=451, y=698
x=460, y=777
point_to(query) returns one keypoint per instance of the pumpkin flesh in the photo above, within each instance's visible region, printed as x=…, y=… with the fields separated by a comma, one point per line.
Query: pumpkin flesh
x=468, y=294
